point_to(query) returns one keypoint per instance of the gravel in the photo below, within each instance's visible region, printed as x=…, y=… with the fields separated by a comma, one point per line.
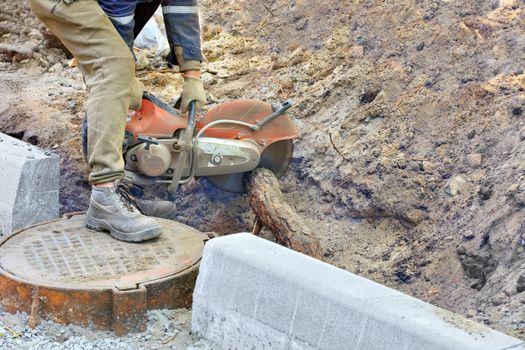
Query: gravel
x=167, y=329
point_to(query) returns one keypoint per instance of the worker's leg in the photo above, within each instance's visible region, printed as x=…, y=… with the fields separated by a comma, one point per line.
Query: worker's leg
x=109, y=72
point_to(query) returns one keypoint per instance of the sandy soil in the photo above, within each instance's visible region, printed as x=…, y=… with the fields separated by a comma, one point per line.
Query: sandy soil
x=411, y=159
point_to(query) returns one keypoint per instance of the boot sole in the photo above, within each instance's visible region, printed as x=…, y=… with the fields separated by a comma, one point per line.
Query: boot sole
x=139, y=236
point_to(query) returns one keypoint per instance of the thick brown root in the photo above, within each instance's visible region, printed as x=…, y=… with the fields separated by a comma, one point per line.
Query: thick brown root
x=288, y=228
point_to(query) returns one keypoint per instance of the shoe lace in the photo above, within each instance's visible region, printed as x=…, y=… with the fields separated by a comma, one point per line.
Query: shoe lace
x=123, y=191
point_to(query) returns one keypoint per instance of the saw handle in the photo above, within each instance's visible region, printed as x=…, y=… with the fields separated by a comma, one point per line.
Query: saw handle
x=186, y=147
x=192, y=120
x=284, y=107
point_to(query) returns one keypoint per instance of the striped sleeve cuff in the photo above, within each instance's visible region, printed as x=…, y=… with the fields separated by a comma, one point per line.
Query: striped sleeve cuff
x=180, y=9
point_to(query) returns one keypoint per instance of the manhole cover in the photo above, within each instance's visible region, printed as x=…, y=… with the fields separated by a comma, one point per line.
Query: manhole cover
x=63, y=271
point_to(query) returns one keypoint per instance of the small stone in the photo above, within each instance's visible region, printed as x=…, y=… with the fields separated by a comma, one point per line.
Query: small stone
x=357, y=51
x=208, y=78
x=478, y=175
x=457, y=185
x=468, y=236
x=520, y=166
x=513, y=188
x=499, y=50
x=517, y=111
x=485, y=193
x=508, y=4
x=211, y=98
x=415, y=216
x=498, y=299
x=474, y=160
x=471, y=313
x=222, y=73
x=297, y=56
x=520, y=286
x=502, y=116
x=428, y=166
x=301, y=24
x=73, y=63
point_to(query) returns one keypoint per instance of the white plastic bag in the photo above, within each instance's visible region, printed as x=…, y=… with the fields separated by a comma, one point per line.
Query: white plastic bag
x=151, y=37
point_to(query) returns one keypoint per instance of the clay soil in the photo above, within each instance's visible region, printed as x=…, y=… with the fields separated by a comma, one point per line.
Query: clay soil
x=410, y=164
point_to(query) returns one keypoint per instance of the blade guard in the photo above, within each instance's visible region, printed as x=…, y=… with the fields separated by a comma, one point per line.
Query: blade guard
x=248, y=111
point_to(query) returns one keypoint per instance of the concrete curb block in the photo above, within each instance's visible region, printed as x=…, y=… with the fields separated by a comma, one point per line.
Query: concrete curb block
x=255, y=294
x=29, y=185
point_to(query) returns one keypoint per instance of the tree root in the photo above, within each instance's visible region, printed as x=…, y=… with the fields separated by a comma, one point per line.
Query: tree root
x=272, y=211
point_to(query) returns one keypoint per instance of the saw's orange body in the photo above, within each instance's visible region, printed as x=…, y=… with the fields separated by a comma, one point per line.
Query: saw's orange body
x=157, y=122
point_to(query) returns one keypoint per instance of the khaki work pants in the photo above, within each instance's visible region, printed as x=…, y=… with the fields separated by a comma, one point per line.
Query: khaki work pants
x=109, y=73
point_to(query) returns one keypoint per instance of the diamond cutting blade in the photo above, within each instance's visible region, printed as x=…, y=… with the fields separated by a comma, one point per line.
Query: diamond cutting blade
x=276, y=157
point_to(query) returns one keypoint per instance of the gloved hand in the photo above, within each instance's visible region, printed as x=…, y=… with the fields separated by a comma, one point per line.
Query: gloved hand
x=192, y=89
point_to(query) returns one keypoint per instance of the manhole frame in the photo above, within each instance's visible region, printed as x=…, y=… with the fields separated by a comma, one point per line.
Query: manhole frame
x=121, y=310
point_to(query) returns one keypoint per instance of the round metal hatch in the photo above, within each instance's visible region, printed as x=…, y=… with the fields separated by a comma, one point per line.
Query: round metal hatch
x=66, y=272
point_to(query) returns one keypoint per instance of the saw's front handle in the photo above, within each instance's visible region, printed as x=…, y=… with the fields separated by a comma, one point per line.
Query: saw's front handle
x=186, y=148
x=282, y=109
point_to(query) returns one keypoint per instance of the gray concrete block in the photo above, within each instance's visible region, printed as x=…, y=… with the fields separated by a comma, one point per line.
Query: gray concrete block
x=29, y=185
x=254, y=294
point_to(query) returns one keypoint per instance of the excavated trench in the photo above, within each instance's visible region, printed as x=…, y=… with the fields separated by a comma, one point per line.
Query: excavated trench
x=410, y=168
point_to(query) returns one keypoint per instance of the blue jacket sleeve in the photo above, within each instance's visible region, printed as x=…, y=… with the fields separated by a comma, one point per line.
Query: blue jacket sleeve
x=181, y=18
x=121, y=14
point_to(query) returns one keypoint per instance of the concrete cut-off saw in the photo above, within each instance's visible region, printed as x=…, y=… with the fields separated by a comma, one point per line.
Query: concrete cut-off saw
x=161, y=145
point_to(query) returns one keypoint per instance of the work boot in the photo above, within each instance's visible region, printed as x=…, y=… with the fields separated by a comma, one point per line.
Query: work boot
x=159, y=209
x=112, y=209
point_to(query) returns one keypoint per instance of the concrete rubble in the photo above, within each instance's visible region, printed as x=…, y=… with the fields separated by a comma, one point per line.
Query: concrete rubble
x=167, y=330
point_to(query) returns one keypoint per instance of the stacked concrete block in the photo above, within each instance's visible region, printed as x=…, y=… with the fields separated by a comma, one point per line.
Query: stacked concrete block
x=29, y=185
x=254, y=294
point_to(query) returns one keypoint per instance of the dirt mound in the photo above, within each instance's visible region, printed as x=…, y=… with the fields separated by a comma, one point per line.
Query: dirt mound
x=410, y=162
x=411, y=122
